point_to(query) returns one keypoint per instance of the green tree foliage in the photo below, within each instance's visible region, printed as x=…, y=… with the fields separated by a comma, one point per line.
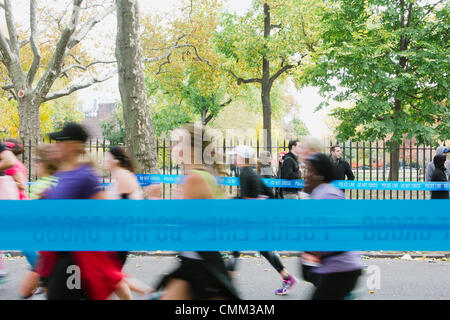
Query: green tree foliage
x=169, y=118
x=186, y=78
x=391, y=60
x=63, y=110
x=300, y=128
x=268, y=44
x=113, y=129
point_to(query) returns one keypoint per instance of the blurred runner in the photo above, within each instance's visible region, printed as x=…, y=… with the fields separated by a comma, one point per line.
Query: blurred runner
x=18, y=171
x=45, y=169
x=100, y=271
x=252, y=187
x=8, y=188
x=8, y=191
x=309, y=146
x=124, y=185
x=334, y=274
x=200, y=275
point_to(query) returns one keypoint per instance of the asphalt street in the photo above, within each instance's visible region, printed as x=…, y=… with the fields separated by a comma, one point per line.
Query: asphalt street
x=384, y=279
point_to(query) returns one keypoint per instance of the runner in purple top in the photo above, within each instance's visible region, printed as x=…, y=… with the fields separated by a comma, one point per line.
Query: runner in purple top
x=80, y=183
x=100, y=272
x=334, y=274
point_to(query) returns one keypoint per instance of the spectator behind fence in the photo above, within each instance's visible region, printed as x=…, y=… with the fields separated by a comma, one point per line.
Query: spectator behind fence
x=341, y=166
x=264, y=166
x=278, y=191
x=441, y=150
x=439, y=175
x=290, y=169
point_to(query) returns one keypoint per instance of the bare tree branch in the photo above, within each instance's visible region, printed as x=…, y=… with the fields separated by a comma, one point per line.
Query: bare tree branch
x=85, y=68
x=210, y=116
x=54, y=67
x=226, y=103
x=430, y=9
x=13, y=38
x=23, y=43
x=284, y=69
x=5, y=50
x=308, y=44
x=280, y=72
x=190, y=7
x=34, y=45
x=162, y=64
x=275, y=26
x=241, y=80
x=8, y=87
x=78, y=86
x=102, y=5
x=178, y=46
x=283, y=61
x=84, y=30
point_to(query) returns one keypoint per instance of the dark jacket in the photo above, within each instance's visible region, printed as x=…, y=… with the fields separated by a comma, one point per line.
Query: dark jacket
x=342, y=169
x=251, y=185
x=439, y=175
x=290, y=170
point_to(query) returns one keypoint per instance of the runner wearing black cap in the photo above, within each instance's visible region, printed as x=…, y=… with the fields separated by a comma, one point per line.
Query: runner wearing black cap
x=100, y=271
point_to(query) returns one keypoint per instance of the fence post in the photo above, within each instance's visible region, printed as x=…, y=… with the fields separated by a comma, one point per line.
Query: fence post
x=170, y=167
x=351, y=166
x=377, y=166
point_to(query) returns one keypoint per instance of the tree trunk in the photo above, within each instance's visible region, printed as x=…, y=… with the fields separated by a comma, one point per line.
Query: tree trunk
x=267, y=116
x=140, y=137
x=204, y=116
x=395, y=162
x=29, y=122
x=266, y=86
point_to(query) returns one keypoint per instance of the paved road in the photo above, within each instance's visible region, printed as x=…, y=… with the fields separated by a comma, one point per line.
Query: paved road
x=256, y=279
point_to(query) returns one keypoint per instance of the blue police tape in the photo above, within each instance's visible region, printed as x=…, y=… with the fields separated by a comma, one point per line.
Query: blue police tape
x=147, y=179
x=323, y=225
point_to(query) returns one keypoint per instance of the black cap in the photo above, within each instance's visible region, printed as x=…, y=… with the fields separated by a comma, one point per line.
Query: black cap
x=70, y=132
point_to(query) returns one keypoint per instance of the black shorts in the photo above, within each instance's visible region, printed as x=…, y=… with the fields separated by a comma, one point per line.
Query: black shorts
x=57, y=282
x=122, y=256
x=207, y=278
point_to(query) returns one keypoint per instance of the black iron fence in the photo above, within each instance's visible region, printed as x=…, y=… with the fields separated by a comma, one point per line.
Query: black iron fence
x=370, y=161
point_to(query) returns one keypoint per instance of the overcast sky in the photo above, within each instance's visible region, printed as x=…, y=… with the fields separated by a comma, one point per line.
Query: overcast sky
x=308, y=98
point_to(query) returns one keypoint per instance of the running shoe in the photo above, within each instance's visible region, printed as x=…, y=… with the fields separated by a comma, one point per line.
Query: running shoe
x=39, y=290
x=3, y=277
x=287, y=285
